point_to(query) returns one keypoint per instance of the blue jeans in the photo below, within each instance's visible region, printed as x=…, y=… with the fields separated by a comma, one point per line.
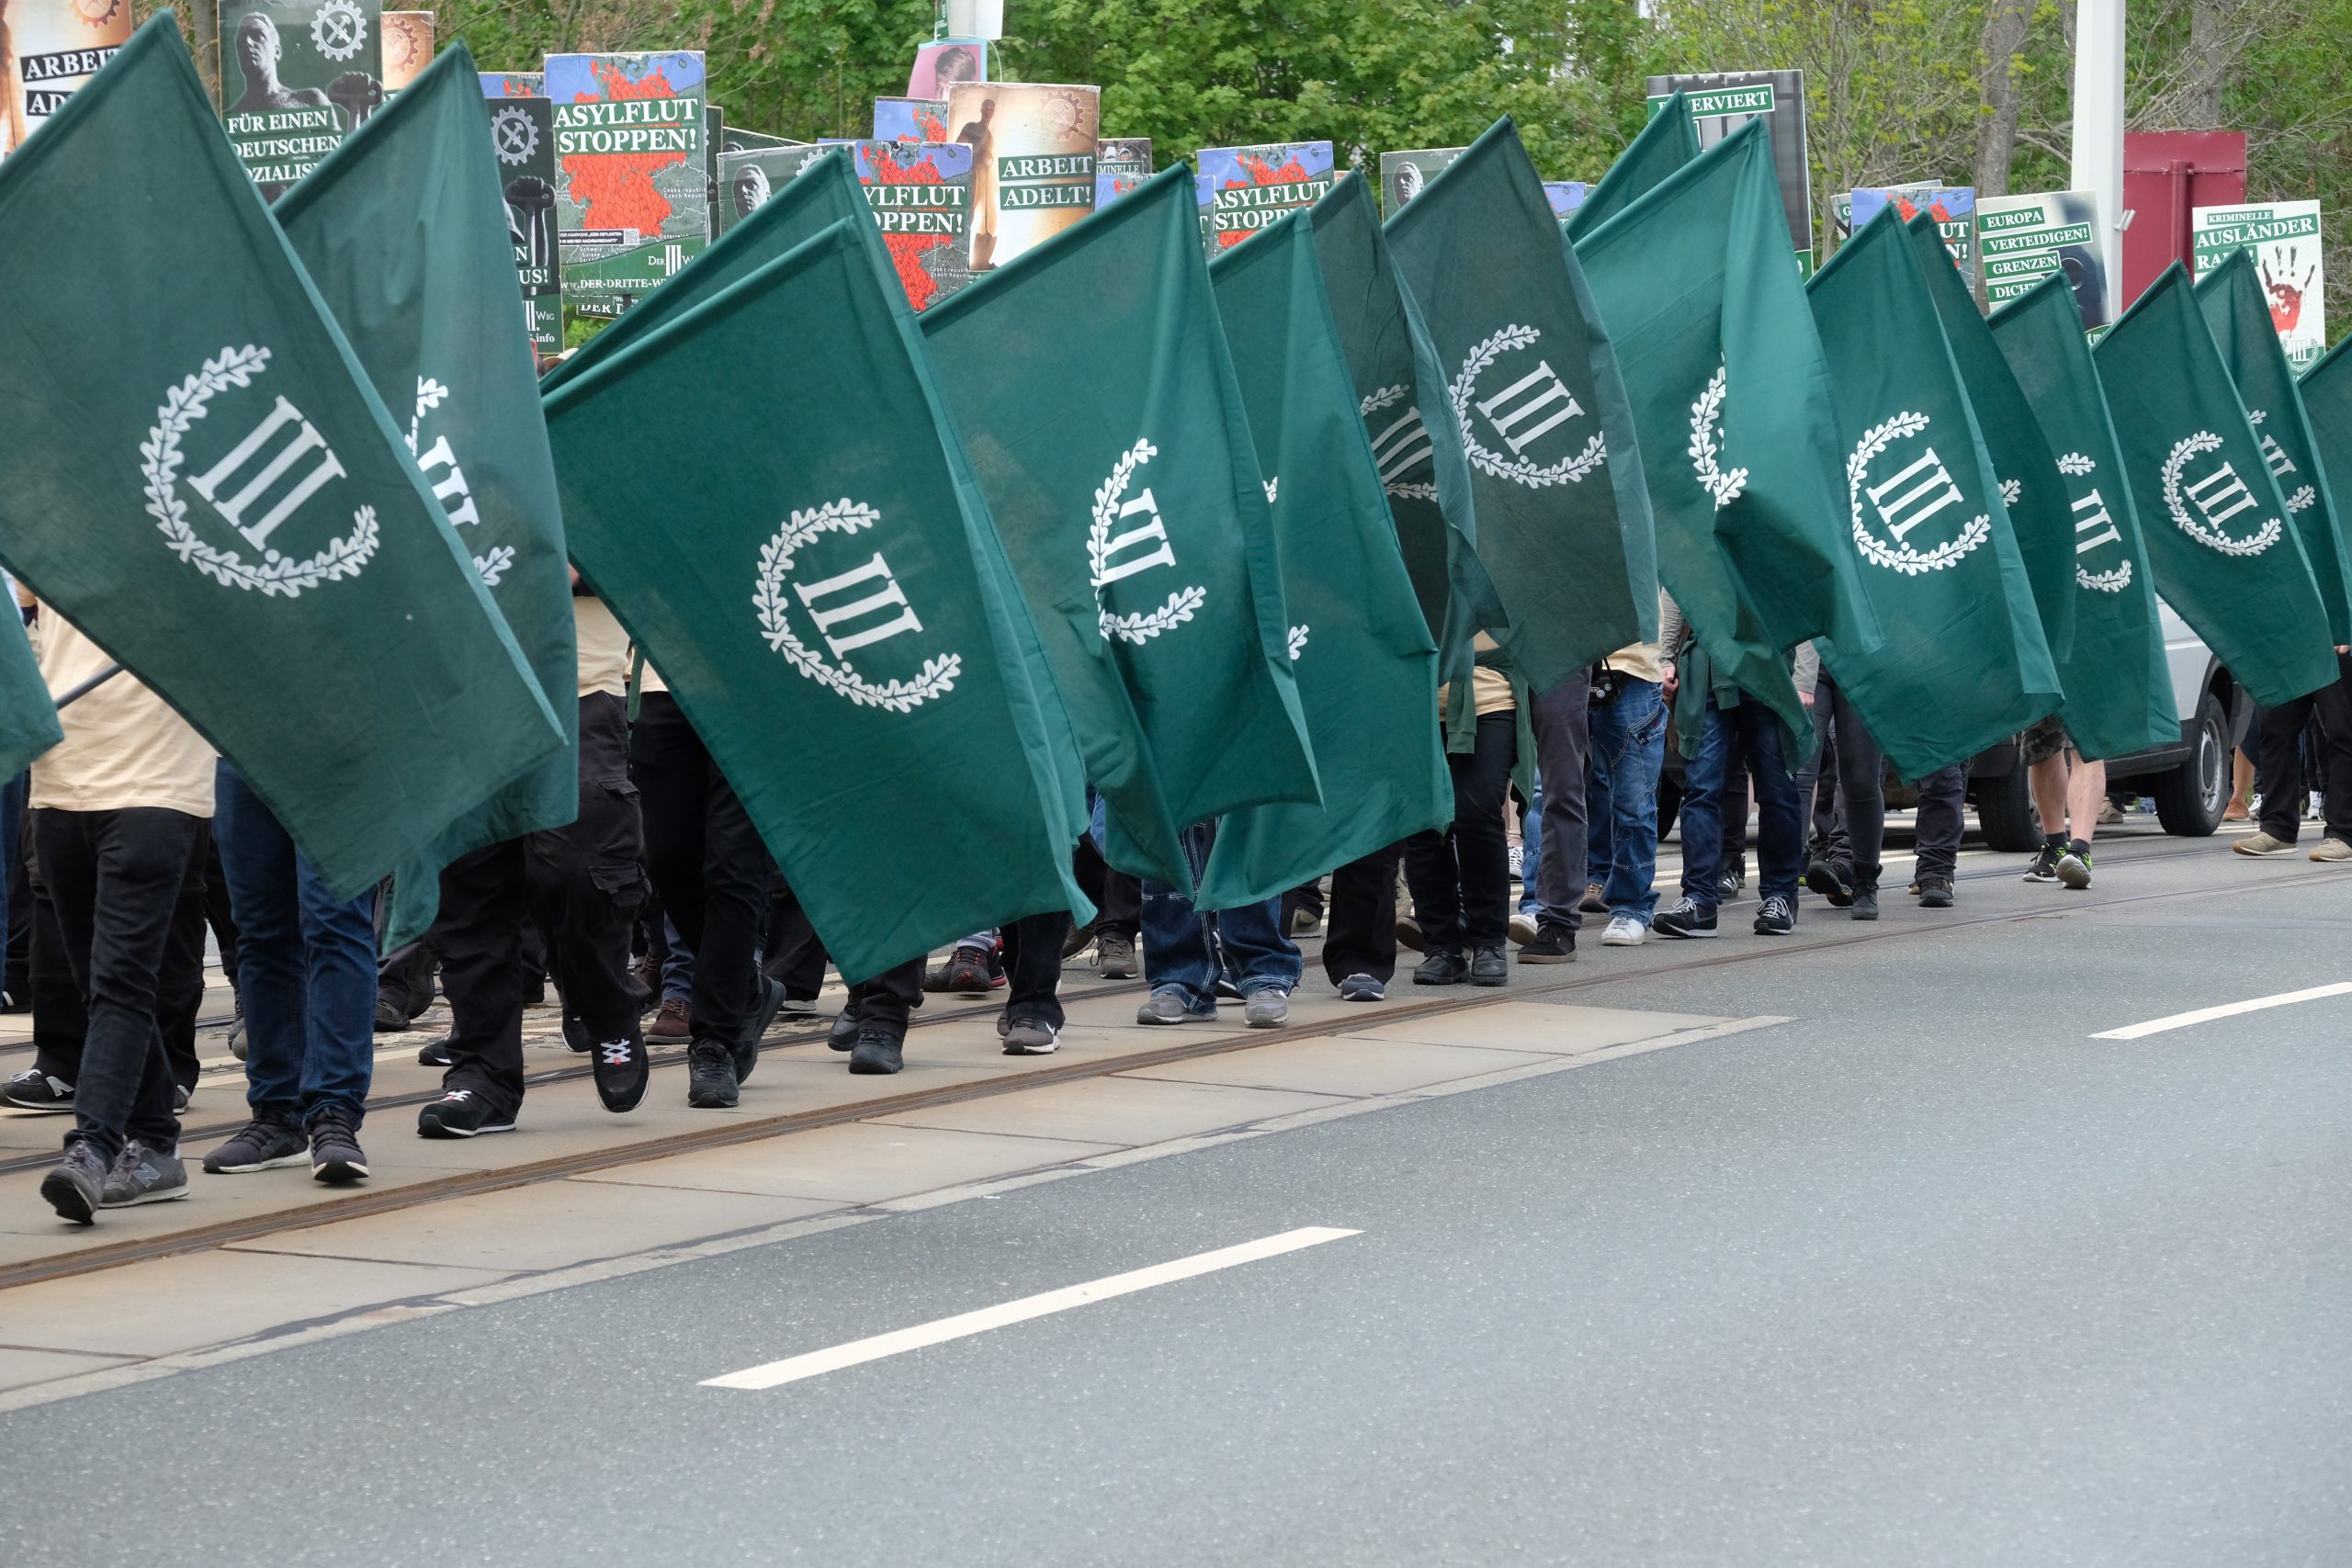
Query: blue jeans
x=1531, y=854
x=1184, y=949
x=306, y=967
x=1779, y=835
x=1620, y=796
x=677, y=965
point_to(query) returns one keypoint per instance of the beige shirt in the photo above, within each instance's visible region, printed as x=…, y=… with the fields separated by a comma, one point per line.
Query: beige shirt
x=1639, y=659
x=603, y=646
x=1489, y=689
x=123, y=746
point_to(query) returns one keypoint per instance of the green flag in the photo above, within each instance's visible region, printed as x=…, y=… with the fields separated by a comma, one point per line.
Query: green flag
x=1090, y=382
x=2326, y=389
x=202, y=479
x=2238, y=313
x=1401, y=394
x=2030, y=489
x=1558, y=509
x=1365, y=662
x=1670, y=140
x=403, y=228
x=1739, y=438
x=818, y=610
x=2118, y=687
x=27, y=718
x=1963, y=663
x=2214, y=518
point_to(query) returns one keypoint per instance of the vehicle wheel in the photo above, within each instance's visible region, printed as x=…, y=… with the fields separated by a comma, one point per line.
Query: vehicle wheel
x=2005, y=810
x=2190, y=798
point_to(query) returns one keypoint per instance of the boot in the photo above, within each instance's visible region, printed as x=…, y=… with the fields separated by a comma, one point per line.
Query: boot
x=1865, y=895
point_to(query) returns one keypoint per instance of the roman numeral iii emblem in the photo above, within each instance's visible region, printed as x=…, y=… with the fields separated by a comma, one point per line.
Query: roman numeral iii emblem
x=1403, y=443
x=1117, y=547
x=1915, y=494
x=2276, y=456
x=268, y=454
x=852, y=611
x=844, y=600
x=2093, y=526
x=1529, y=406
x=2218, y=495
x=1134, y=549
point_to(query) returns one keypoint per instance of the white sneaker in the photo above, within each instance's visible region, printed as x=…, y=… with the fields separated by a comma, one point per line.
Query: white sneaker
x=1522, y=928
x=1625, y=932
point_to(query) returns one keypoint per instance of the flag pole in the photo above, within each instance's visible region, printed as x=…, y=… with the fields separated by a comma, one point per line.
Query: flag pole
x=2098, y=128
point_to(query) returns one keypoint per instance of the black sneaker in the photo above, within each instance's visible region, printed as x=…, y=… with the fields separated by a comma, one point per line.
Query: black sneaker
x=1866, y=898
x=1731, y=882
x=263, y=1145
x=1443, y=967
x=1409, y=933
x=622, y=1071
x=1114, y=955
x=970, y=973
x=460, y=1113
x=336, y=1156
x=181, y=1094
x=1777, y=918
x=391, y=1014
x=1553, y=943
x=142, y=1175
x=1030, y=1035
x=1684, y=918
x=843, y=1036
x=33, y=1090
x=1935, y=893
x=2045, y=864
x=2074, y=867
x=710, y=1075
x=1363, y=989
x=77, y=1188
x=877, y=1051
x=1489, y=966
x=1080, y=938
x=755, y=1028
x=1824, y=878
x=436, y=1054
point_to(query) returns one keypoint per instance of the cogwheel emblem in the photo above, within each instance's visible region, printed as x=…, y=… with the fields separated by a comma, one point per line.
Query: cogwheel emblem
x=339, y=27
x=514, y=136
x=97, y=13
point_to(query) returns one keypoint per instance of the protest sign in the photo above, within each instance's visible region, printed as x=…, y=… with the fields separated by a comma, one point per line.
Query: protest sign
x=1121, y=164
x=1565, y=196
x=408, y=47
x=946, y=63
x=2020, y=240
x=2284, y=239
x=48, y=47
x=746, y=180
x=295, y=77
x=522, y=133
x=1033, y=161
x=1953, y=208
x=1722, y=101
x=1245, y=189
x=632, y=206
x=513, y=84
x=910, y=119
x=1402, y=175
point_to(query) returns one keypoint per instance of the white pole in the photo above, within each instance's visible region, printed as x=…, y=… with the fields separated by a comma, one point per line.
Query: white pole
x=2099, y=127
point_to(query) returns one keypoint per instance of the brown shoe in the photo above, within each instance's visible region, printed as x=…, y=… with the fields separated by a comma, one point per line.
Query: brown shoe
x=670, y=1022
x=2262, y=844
x=1594, y=903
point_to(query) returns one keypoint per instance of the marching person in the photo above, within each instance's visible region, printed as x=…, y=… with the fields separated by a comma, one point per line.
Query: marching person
x=1187, y=950
x=1613, y=823
x=2279, y=772
x=1460, y=878
x=1846, y=873
x=2064, y=787
x=1360, y=938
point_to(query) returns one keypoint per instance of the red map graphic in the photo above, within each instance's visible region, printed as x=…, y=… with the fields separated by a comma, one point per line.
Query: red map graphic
x=933, y=127
x=906, y=250
x=1260, y=173
x=616, y=188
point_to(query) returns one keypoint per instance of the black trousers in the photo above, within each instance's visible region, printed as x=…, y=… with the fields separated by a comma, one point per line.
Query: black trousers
x=1942, y=794
x=1032, y=967
x=115, y=879
x=1118, y=898
x=179, y=985
x=1848, y=753
x=1360, y=938
x=582, y=886
x=707, y=861
x=790, y=952
x=886, y=1000
x=2279, y=772
x=1461, y=878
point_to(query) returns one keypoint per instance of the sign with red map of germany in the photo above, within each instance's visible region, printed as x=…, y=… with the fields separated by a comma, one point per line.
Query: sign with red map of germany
x=632, y=196
x=1244, y=189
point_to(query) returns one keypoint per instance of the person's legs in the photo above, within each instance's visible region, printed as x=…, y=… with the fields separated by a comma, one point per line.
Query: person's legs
x=1780, y=815
x=339, y=946
x=1256, y=950
x=1032, y=968
x=2334, y=706
x=179, y=981
x=1599, y=807
x=1529, y=826
x=1628, y=744
x=795, y=958
x=1479, y=848
x=1361, y=935
x=1942, y=794
x=479, y=935
x=1861, y=779
x=1704, y=781
x=1178, y=946
x=58, y=1019
x=881, y=1007
x=669, y=766
x=1562, y=721
x=257, y=866
x=2280, y=773
x=1433, y=875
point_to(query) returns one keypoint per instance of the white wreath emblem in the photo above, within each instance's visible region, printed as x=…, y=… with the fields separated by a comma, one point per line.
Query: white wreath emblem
x=1143, y=626
x=338, y=27
x=1567, y=470
x=1297, y=642
x=512, y=136
x=2185, y=448
x=1903, y=557
x=1372, y=405
x=2114, y=581
x=1705, y=451
x=2256, y=416
x=2076, y=465
x=430, y=395
x=937, y=677
x=160, y=460
x=2301, y=499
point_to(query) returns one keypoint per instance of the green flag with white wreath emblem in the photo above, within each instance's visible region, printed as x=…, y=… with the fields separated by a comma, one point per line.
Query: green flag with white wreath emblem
x=27, y=718
x=1740, y=437
x=1090, y=383
x=2214, y=519
x=2326, y=391
x=818, y=605
x=1963, y=664
x=2118, y=688
x=404, y=228
x=203, y=481
x=1365, y=662
x=2021, y=456
x=1558, y=509
x=1668, y=142
x=2239, y=316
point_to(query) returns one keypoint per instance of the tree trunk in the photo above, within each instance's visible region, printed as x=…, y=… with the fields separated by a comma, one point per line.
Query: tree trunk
x=2217, y=33
x=1997, y=134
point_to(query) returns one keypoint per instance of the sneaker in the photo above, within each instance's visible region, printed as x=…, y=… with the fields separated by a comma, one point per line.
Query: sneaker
x=1363, y=989
x=1593, y=902
x=1445, y=966
x=1168, y=1004
x=755, y=1028
x=1777, y=918
x=622, y=1073
x=77, y=1188
x=460, y=1113
x=1935, y=893
x=2074, y=867
x=1267, y=1010
x=33, y=1090
x=1827, y=880
x=1733, y=882
x=2107, y=814
x=934, y=977
x=2332, y=848
x=1227, y=990
x=1684, y=918
x=1554, y=942
x=263, y=1145
x=436, y=1054
x=1523, y=929
x=237, y=1033
x=1409, y=933
x=1080, y=938
x=1306, y=921
x=1866, y=900
x=877, y=1051
x=1489, y=967
x=181, y=1094
x=391, y=1014
x=2045, y=864
x=2262, y=844
x=1031, y=1036
x=1114, y=955
x=1517, y=862
x=336, y=1158
x=969, y=972
x=671, y=1021
x=710, y=1075
x=142, y=1175
x=798, y=1007
x=843, y=1036
x=1625, y=930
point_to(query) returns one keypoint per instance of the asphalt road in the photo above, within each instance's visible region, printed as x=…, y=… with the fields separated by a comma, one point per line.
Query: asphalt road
x=1927, y=1276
